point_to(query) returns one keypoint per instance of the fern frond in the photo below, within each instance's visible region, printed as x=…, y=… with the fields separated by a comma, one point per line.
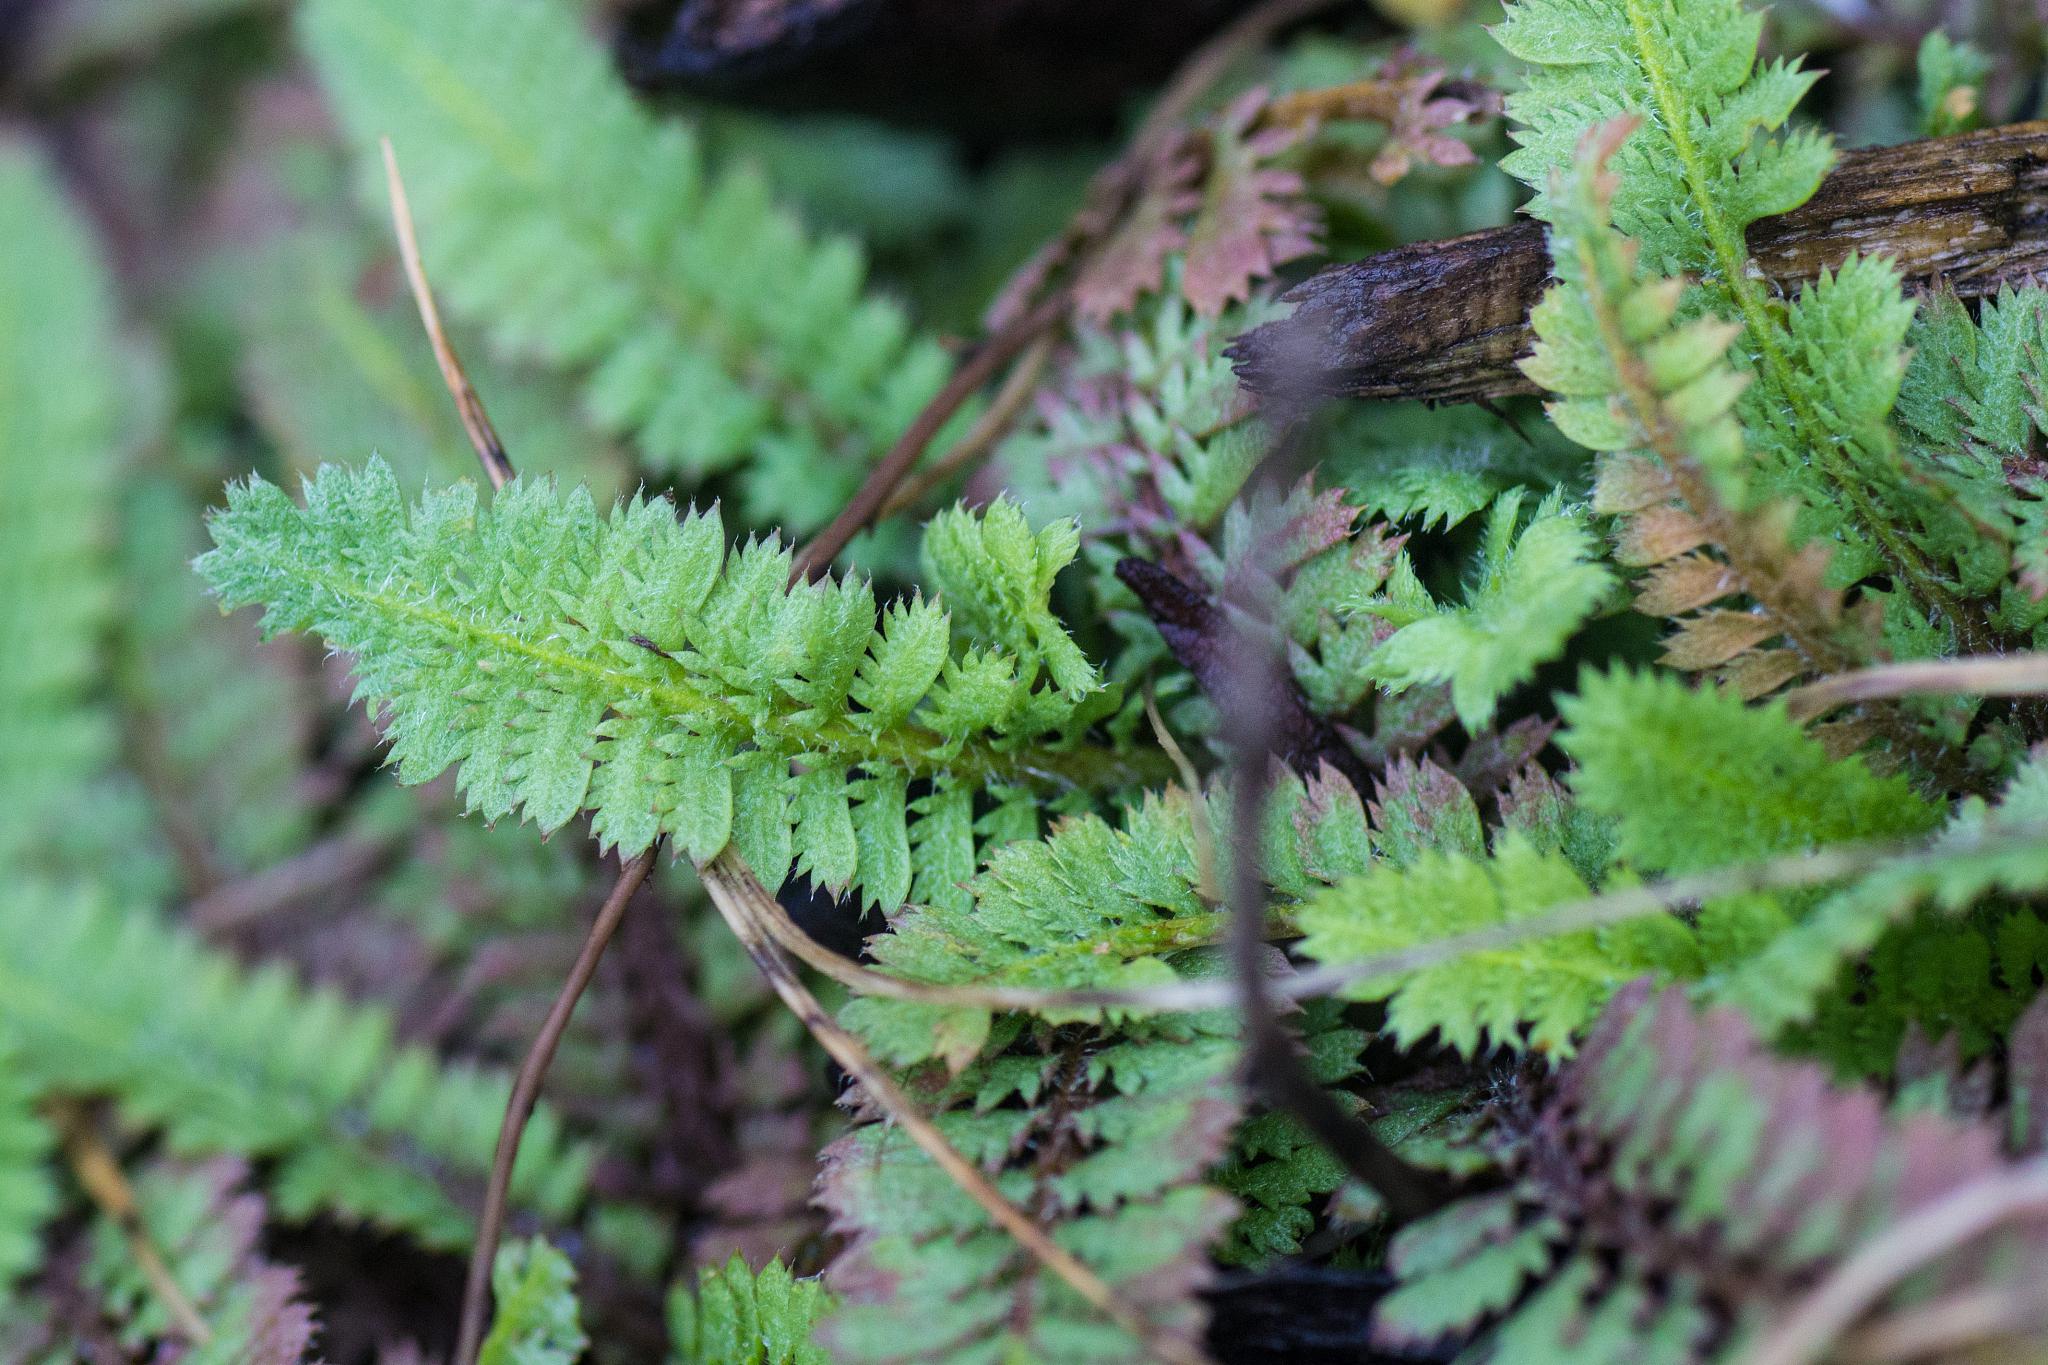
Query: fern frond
x=1971, y=408
x=1147, y=427
x=60, y=423
x=536, y=1321
x=1276, y=1170
x=1092, y=906
x=1982, y=851
x=1254, y=218
x=631, y=666
x=705, y=320
x=1537, y=995
x=1530, y=590
x=1695, y=779
x=1951, y=84
x=1122, y=1128
x=734, y=1316
x=1675, y=771
x=1725, y=1182
x=1688, y=68
x=207, y=1230
x=1698, y=169
x=1656, y=395
x=1126, y=1114
x=27, y=1195
x=106, y=999
x=1431, y=469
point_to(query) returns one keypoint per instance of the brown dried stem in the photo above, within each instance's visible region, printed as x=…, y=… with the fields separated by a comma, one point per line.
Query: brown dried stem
x=1272, y=1066
x=1212, y=61
x=988, y=429
x=533, y=1068
x=1108, y=196
x=1994, y=675
x=1945, y=1326
x=475, y=421
x=526, y=1085
x=103, y=1181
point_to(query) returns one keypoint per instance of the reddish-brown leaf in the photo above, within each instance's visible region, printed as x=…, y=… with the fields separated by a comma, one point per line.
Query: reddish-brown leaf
x=1713, y=638
x=1254, y=217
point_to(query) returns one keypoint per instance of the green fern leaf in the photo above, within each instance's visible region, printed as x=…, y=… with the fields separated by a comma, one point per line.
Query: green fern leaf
x=1971, y=408
x=1433, y=469
x=1529, y=592
x=1457, y=1268
x=1536, y=995
x=60, y=428
x=1095, y=907
x=1705, y=1157
x=1132, y=1111
x=1688, y=67
x=1694, y=779
x=631, y=666
x=106, y=999
x=1153, y=405
x=27, y=1195
x=1696, y=171
x=1981, y=851
x=1651, y=388
x=536, y=1320
x=736, y=1317
x=1951, y=85
x=1139, y=1118
x=228, y=738
x=580, y=230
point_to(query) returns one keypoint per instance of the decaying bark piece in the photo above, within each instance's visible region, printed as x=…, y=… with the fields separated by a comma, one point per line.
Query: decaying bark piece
x=1447, y=320
x=990, y=69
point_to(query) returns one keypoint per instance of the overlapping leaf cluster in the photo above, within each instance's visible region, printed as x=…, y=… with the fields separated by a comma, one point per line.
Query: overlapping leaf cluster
x=103, y=997
x=1821, y=373
x=1675, y=1193
x=1474, y=741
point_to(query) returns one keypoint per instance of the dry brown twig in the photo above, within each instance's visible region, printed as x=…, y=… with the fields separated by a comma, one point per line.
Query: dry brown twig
x=103, y=1181
x=867, y=502
x=1991, y=675
x=533, y=1069
x=490, y=451
x=988, y=429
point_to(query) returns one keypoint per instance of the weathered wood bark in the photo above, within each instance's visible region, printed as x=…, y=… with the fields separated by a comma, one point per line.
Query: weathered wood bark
x=991, y=69
x=1447, y=320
